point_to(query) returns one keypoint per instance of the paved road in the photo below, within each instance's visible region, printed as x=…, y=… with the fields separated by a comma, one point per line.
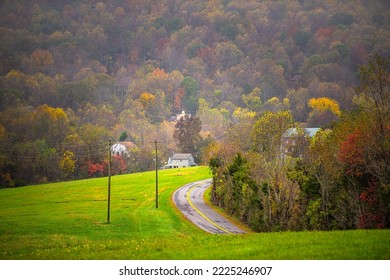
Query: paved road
x=189, y=200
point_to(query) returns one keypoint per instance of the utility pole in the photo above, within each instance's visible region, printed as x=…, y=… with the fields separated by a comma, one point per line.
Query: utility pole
x=155, y=145
x=109, y=181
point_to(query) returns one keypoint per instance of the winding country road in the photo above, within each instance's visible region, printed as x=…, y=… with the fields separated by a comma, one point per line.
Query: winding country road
x=189, y=200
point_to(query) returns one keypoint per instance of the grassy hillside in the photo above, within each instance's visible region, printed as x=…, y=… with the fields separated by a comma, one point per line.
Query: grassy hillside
x=68, y=221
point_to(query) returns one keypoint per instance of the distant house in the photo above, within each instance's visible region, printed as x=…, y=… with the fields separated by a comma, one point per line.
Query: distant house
x=180, y=160
x=293, y=140
x=179, y=116
x=121, y=148
x=293, y=132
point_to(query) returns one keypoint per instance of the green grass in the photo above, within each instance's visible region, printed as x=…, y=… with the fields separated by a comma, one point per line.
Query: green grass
x=68, y=220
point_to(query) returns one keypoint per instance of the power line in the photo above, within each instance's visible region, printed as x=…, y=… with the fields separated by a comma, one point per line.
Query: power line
x=19, y=151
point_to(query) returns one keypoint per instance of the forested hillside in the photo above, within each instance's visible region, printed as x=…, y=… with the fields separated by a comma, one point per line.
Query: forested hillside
x=74, y=74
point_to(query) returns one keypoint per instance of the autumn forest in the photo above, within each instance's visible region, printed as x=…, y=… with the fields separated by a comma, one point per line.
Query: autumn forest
x=288, y=102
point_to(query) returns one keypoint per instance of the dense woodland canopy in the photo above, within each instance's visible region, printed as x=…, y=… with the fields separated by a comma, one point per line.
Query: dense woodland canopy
x=75, y=73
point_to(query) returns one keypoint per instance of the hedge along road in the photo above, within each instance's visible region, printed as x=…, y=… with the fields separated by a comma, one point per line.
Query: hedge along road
x=189, y=200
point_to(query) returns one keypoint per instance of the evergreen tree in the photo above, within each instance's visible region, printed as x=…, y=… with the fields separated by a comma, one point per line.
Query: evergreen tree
x=123, y=136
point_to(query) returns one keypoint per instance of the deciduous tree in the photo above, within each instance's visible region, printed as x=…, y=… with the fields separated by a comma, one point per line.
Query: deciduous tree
x=187, y=135
x=67, y=164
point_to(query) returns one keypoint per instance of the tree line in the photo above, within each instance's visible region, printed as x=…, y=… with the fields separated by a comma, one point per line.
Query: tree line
x=337, y=179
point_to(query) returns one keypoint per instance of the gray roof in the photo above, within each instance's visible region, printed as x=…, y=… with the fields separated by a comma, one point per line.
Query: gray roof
x=181, y=156
x=310, y=131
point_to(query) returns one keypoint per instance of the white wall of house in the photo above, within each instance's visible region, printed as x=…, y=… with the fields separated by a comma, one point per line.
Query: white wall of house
x=180, y=163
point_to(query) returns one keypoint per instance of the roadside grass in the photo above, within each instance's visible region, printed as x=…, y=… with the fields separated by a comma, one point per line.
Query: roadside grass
x=68, y=220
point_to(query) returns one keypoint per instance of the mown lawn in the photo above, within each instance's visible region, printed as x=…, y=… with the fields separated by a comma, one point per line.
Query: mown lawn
x=68, y=220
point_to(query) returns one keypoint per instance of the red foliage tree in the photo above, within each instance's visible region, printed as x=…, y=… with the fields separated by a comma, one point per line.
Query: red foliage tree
x=118, y=165
x=372, y=215
x=354, y=152
x=95, y=169
x=351, y=153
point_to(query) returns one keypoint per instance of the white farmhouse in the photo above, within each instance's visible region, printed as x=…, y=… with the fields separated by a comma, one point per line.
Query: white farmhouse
x=119, y=149
x=180, y=160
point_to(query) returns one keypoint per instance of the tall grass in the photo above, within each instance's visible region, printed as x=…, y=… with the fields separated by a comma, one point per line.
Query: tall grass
x=68, y=220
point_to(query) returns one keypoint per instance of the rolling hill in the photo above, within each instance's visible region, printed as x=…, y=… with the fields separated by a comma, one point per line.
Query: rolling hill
x=68, y=220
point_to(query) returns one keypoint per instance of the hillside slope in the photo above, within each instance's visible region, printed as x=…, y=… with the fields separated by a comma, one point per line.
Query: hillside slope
x=68, y=221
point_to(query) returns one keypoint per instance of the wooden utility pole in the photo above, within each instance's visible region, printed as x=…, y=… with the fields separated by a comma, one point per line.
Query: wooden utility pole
x=109, y=181
x=155, y=145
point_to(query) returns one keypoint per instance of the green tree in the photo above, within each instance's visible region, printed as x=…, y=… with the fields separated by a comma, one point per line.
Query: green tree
x=301, y=38
x=253, y=99
x=10, y=98
x=268, y=130
x=34, y=162
x=123, y=136
x=94, y=142
x=241, y=194
x=190, y=100
x=327, y=171
x=270, y=168
x=75, y=94
x=187, y=135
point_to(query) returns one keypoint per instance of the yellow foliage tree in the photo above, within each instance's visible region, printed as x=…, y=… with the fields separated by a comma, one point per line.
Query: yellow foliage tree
x=50, y=124
x=324, y=104
x=67, y=163
x=147, y=99
x=14, y=79
x=55, y=114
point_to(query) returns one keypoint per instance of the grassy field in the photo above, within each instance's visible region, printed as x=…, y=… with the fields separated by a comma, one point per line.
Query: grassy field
x=69, y=221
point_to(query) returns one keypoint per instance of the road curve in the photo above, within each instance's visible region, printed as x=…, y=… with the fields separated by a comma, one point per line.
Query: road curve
x=189, y=200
